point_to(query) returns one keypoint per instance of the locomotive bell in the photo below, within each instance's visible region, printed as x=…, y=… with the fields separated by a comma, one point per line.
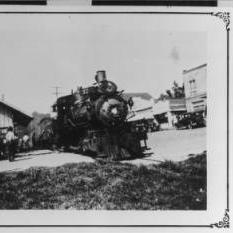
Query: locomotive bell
x=100, y=76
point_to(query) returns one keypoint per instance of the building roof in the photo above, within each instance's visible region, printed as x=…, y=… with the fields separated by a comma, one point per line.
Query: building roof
x=195, y=68
x=143, y=95
x=20, y=117
x=141, y=115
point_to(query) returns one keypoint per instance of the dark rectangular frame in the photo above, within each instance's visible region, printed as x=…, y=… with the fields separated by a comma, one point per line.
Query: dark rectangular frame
x=155, y=2
x=23, y=2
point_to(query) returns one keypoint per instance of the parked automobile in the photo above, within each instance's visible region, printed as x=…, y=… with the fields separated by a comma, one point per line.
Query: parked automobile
x=190, y=121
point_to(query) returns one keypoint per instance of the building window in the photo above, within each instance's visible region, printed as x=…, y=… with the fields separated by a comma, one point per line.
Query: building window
x=193, y=87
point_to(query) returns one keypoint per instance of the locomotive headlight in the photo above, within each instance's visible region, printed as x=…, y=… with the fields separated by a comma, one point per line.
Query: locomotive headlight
x=114, y=111
x=111, y=110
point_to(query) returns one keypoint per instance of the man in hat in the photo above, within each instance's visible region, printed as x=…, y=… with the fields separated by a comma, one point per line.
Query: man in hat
x=10, y=144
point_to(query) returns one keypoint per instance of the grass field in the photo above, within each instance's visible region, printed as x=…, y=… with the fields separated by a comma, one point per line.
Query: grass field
x=108, y=185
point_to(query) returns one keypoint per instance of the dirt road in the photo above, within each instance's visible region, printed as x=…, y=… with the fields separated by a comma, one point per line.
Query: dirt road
x=173, y=145
x=43, y=158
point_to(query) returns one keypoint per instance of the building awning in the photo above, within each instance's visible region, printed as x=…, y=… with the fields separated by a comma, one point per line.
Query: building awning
x=137, y=116
x=19, y=116
x=177, y=105
x=170, y=105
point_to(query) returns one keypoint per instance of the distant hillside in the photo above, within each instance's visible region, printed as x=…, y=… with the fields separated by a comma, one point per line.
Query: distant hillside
x=37, y=117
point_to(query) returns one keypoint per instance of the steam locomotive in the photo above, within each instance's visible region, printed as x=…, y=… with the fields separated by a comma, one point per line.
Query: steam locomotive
x=94, y=121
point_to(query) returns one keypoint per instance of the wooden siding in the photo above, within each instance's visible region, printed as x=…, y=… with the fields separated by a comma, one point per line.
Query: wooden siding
x=6, y=117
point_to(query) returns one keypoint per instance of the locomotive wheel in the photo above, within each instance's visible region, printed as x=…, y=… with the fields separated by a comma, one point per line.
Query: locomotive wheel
x=190, y=126
x=116, y=150
x=131, y=143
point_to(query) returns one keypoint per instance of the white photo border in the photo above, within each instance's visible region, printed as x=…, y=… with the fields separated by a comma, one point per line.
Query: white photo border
x=224, y=16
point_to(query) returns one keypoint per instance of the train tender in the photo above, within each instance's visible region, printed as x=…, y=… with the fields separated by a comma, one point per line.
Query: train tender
x=94, y=121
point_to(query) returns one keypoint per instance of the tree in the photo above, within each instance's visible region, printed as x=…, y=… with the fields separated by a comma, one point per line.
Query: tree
x=163, y=97
x=169, y=93
x=175, y=92
x=178, y=91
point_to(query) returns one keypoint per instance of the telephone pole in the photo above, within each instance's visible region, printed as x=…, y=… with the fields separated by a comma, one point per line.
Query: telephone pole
x=56, y=93
x=2, y=97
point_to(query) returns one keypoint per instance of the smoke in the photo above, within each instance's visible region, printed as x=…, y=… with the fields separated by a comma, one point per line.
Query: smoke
x=175, y=54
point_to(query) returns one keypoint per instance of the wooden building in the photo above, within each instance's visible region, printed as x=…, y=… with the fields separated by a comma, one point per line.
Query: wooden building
x=12, y=116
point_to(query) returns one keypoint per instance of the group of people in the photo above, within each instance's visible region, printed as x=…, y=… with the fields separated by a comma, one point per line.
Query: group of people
x=10, y=143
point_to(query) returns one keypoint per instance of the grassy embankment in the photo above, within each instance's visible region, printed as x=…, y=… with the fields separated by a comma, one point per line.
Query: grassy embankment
x=108, y=185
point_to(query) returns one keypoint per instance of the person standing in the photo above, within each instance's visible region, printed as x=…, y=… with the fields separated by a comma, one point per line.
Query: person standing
x=1, y=145
x=10, y=144
x=25, y=143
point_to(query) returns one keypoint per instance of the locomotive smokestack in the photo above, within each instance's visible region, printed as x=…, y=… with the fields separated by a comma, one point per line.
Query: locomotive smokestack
x=100, y=76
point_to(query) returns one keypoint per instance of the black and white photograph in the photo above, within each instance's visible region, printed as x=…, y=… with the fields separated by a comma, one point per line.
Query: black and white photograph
x=114, y=113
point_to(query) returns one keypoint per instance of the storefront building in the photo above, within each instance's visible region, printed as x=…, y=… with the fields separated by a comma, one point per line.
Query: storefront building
x=195, y=80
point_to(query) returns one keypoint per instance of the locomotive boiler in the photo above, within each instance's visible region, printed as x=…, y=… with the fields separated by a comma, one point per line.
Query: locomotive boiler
x=94, y=121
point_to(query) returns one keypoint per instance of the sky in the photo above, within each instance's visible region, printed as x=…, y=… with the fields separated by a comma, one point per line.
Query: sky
x=38, y=52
